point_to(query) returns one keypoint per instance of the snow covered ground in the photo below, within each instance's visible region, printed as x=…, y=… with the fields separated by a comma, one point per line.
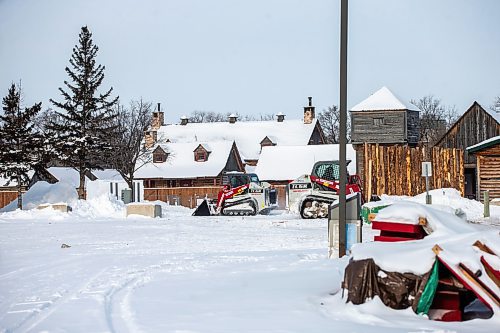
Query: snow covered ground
x=183, y=274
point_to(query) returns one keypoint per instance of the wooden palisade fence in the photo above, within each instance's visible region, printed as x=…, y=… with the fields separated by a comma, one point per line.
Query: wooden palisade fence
x=397, y=170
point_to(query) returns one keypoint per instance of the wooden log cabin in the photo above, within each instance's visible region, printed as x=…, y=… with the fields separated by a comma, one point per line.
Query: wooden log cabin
x=473, y=127
x=177, y=172
x=487, y=155
x=249, y=136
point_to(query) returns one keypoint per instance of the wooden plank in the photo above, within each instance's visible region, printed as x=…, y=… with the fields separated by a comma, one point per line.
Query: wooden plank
x=397, y=227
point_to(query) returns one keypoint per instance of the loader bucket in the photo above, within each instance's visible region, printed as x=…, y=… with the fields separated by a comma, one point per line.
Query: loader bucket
x=202, y=209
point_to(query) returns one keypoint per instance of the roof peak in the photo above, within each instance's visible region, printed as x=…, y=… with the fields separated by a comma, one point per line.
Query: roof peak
x=383, y=99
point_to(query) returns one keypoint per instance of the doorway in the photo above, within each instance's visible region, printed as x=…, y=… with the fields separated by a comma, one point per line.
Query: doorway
x=470, y=183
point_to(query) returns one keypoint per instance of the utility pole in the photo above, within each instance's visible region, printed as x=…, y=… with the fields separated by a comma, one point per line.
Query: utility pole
x=343, y=127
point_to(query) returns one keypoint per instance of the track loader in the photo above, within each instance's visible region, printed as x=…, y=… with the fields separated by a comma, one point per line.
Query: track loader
x=310, y=195
x=241, y=194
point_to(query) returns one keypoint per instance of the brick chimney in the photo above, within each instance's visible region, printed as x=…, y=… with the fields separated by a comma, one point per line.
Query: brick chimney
x=158, y=118
x=309, y=113
x=280, y=117
x=184, y=120
x=150, y=138
x=232, y=118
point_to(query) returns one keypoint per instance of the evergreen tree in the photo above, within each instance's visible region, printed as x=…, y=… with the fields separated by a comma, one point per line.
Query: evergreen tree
x=86, y=117
x=20, y=144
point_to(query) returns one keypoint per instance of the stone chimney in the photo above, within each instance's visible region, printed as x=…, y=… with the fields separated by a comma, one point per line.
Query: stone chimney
x=232, y=118
x=309, y=113
x=280, y=117
x=158, y=119
x=184, y=120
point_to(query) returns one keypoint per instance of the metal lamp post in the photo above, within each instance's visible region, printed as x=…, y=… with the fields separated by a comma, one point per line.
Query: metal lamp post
x=343, y=127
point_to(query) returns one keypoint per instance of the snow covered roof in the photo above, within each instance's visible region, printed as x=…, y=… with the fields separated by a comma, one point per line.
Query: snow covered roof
x=66, y=175
x=383, y=99
x=181, y=164
x=246, y=134
x=290, y=162
x=484, y=144
x=72, y=176
x=108, y=174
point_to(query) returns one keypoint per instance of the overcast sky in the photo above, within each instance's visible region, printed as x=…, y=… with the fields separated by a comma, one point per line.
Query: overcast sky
x=260, y=56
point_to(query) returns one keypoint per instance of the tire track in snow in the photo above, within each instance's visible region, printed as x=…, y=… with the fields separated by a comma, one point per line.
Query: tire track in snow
x=39, y=314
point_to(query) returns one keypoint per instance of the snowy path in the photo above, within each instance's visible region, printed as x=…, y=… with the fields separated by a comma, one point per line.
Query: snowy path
x=182, y=273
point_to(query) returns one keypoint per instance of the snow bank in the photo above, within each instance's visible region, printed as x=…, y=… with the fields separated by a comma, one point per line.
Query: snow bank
x=43, y=192
x=417, y=256
x=104, y=205
x=442, y=199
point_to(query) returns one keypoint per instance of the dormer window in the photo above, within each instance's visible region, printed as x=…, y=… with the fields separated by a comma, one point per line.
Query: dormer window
x=201, y=153
x=268, y=141
x=159, y=155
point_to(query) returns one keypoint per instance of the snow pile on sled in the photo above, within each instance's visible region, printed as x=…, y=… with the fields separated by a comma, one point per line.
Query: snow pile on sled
x=439, y=276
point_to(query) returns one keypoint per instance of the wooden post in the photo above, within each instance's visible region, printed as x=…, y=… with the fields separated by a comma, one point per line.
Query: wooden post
x=478, y=175
x=408, y=170
x=369, y=184
x=486, y=195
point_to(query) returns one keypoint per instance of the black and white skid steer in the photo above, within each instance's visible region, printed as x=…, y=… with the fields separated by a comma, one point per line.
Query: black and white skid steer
x=310, y=195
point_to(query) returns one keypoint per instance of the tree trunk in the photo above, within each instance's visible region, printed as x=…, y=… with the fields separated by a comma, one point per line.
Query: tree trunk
x=130, y=183
x=81, y=187
x=19, y=193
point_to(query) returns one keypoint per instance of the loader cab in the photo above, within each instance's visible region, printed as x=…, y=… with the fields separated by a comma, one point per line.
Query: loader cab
x=329, y=170
x=236, y=179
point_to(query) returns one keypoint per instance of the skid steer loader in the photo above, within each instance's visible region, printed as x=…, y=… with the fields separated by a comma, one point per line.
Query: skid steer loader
x=310, y=195
x=241, y=194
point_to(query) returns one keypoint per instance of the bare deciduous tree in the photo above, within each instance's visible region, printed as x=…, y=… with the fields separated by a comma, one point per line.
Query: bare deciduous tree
x=130, y=153
x=329, y=120
x=215, y=117
x=435, y=119
x=496, y=104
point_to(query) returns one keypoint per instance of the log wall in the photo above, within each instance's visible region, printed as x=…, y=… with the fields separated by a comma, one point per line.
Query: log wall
x=473, y=127
x=397, y=169
x=488, y=172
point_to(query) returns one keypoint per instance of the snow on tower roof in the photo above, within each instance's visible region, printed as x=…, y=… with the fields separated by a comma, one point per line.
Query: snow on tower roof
x=246, y=134
x=383, y=99
x=291, y=162
x=181, y=164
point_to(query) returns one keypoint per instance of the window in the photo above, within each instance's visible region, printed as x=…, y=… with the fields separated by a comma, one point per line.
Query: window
x=159, y=157
x=328, y=171
x=378, y=121
x=200, y=156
